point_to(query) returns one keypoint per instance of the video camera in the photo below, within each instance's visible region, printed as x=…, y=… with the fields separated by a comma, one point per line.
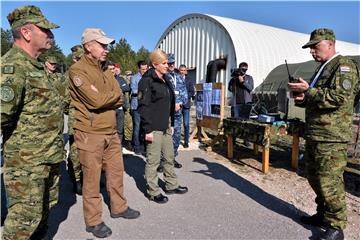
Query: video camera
x=236, y=72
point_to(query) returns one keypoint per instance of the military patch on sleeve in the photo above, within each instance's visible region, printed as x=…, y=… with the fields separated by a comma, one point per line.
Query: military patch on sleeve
x=140, y=96
x=344, y=69
x=6, y=94
x=77, y=81
x=8, y=69
x=346, y=84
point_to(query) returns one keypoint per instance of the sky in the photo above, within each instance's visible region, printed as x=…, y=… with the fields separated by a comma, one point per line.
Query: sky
x=143, y=23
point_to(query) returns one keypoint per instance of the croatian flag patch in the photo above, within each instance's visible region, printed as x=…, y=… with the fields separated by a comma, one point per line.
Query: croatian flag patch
x=344, y=69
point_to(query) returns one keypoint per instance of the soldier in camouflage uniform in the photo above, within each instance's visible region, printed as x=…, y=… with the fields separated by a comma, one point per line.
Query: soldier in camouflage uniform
x=74, y=166
x=32, y=124
x=329, y=103
x=181, y=98
x=128, y=125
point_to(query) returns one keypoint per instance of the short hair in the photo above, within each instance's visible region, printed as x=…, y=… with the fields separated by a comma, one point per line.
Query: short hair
x=157, y=56
x=243, y=64
x=117, y=65
x=182, y=66
x=141, y=63
x=16, y=33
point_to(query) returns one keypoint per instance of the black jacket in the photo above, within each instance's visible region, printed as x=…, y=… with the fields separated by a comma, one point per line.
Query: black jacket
x=156, y=102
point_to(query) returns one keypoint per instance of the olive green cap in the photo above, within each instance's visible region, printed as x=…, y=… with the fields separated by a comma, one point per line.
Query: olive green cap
x=77, y=51
x=51, y=59
x=29, y=14
x=318, y=35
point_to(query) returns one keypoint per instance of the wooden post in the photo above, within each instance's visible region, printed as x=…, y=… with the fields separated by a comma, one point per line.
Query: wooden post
x=265, y=159
x=256, y=149
x=193, y=134
x=230, y=148
x=295, y=151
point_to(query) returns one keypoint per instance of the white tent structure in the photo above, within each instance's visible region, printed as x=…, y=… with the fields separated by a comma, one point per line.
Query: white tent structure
x=196, y=39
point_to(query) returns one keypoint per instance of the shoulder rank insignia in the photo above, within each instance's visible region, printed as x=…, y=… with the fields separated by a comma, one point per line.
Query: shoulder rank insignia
x=8, y=69
x=6, y=93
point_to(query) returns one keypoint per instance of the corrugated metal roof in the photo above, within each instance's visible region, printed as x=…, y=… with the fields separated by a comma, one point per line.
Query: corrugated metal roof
x=198, y=38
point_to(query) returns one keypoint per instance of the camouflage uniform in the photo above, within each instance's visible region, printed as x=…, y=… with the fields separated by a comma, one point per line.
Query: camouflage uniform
x=128, y=125
x=74, y=166
x=181, y=97
x=329, y=108
x=32, y=124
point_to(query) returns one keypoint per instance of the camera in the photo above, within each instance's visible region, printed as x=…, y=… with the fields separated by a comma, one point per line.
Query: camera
x=236, y=72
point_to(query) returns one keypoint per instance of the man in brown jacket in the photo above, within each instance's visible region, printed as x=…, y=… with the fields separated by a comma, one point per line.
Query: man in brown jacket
x=96, y=95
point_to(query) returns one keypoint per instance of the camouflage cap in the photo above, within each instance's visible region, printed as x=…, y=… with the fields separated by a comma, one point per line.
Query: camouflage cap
x=77, y=51
x=318, y=35
x=51, y=59
x=29, y=14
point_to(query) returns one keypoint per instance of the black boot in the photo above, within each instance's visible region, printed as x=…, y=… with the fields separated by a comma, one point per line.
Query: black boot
x=100, y=230
x=332, y=234
x=177, y=164
x=316, y=220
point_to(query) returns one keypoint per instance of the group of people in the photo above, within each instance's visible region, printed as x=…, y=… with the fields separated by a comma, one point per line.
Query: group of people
x=34, y=99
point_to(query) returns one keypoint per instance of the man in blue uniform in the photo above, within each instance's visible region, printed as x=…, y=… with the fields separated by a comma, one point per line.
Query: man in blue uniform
x=181, y=98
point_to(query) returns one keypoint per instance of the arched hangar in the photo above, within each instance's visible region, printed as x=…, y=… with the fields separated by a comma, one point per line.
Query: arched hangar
x=196, y=39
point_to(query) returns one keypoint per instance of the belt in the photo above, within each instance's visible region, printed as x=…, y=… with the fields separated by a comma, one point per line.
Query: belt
x=134, y=95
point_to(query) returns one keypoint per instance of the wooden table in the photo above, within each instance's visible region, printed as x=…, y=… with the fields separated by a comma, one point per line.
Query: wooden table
x=260, y=135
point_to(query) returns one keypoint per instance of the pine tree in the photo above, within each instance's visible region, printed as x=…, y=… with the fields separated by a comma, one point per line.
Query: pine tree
x=6, y=41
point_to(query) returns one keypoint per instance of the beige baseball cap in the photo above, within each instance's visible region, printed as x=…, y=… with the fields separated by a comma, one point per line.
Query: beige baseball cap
x=96, y=34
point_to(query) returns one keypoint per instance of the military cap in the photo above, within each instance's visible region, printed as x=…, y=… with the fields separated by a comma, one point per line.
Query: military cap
x=128, y=72
x=96, y=34
x=171, y=58
x=51, y=59
x=29, y=14
x=77, y=51
x=318, y=35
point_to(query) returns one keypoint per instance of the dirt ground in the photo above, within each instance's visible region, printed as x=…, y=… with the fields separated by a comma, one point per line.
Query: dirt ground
x=287, y=184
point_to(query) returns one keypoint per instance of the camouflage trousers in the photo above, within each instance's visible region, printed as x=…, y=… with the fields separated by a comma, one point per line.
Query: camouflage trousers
x=31, y=193
x=128, y=126
x=74, y=166
x=325, y=165
x=177, y=132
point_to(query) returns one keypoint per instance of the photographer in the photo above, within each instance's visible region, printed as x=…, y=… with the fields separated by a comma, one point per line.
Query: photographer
x=240, y=85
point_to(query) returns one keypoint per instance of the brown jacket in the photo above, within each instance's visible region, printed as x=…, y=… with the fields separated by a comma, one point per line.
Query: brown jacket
x=96, y=95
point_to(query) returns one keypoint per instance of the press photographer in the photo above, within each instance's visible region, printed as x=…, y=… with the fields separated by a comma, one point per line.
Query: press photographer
x=240, y=85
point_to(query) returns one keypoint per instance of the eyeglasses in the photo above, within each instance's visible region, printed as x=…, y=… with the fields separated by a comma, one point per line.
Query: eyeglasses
x=171, y=63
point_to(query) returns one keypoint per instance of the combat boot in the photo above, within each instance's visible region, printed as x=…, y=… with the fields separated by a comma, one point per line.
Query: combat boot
x=316, y=220
x=332, y=234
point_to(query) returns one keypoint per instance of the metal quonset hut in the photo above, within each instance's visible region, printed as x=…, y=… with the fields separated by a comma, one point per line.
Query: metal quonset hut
x=197, y=39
